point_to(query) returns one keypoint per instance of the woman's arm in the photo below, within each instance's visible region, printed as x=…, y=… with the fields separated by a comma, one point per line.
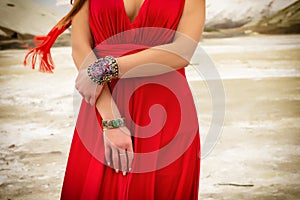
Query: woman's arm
x=82, y=43
x=82, y=40
x=176, y=54
x=115, y=141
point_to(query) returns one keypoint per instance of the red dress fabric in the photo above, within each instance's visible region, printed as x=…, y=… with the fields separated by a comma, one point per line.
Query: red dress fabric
x=159, y=112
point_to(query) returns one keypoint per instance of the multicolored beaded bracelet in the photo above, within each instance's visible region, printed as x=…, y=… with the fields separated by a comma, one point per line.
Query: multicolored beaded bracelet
x=103, y=70
x=115, y=123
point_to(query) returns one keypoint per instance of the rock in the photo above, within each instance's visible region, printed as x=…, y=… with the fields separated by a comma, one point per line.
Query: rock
x=21, y=18
x=236, y=13
x=20, y=21
x=283, y=22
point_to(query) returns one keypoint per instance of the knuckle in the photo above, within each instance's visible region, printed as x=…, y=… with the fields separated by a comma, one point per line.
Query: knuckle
x=85, y=93
x=128, y=145
x=119, y=145
x=90, y=94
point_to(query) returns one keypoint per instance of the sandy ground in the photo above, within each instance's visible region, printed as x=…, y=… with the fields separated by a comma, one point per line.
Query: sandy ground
x=256, y=157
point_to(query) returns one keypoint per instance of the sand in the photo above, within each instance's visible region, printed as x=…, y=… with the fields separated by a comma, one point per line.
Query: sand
x=257, y=155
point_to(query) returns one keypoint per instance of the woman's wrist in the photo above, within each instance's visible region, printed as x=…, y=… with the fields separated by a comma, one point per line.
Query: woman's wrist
x=113, y=123
x=107, y=110
x=103, y=70
x=108, y=115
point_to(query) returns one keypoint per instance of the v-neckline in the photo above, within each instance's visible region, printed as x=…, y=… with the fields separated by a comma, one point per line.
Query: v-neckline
x=138, y=14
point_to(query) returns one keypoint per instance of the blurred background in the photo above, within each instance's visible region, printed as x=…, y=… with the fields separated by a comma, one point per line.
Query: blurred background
x=255, y=45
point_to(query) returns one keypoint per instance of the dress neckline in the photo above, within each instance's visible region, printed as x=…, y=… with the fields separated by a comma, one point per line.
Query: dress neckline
x=138, y=14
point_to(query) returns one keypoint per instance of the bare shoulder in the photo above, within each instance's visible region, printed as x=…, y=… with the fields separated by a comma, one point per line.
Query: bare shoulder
x=191, y=6
x=84, y=8
x=192, y=19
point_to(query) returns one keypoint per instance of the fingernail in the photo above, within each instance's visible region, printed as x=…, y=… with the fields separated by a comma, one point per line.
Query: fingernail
x=108, y=163
x=124, y=173
x=117, y=170
x=129, y=169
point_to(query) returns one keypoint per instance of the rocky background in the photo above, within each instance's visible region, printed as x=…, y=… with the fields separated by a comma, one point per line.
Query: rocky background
x=238, y=13
x=21, y=20
x=257, y=156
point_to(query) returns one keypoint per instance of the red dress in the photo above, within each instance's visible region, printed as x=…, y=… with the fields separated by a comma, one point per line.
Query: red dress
x=159, y=112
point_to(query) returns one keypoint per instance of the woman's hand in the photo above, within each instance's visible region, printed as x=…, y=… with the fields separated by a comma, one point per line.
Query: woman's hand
x=89, y=90
x=117, y=142
x=118, y=149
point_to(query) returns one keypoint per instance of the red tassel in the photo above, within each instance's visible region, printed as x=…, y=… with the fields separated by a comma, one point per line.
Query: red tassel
x=42, y=51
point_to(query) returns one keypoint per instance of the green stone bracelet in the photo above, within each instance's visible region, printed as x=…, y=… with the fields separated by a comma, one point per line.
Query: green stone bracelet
x=115, y=123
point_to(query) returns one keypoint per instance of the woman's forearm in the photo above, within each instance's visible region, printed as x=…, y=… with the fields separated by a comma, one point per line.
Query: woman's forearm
x=106, y=105
x=169, y=55
x=158, y=60
x=83, y=56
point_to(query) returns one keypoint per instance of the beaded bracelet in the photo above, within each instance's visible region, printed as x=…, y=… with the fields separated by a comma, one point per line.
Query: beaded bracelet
x=103, y=70
x=115, y=123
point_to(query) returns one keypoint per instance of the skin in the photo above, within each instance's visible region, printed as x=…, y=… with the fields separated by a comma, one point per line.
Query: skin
x=118, y=143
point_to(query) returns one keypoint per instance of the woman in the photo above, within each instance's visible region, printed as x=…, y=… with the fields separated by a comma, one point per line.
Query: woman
x=127, y=147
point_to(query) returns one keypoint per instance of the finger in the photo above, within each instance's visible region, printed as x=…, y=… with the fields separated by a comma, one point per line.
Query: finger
x=107, y=151
x=92, y=101
x=123, y=161
x=79, y=92
x=130, y=157
x=115, y=159
x=87, y=99
x=76, y=86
